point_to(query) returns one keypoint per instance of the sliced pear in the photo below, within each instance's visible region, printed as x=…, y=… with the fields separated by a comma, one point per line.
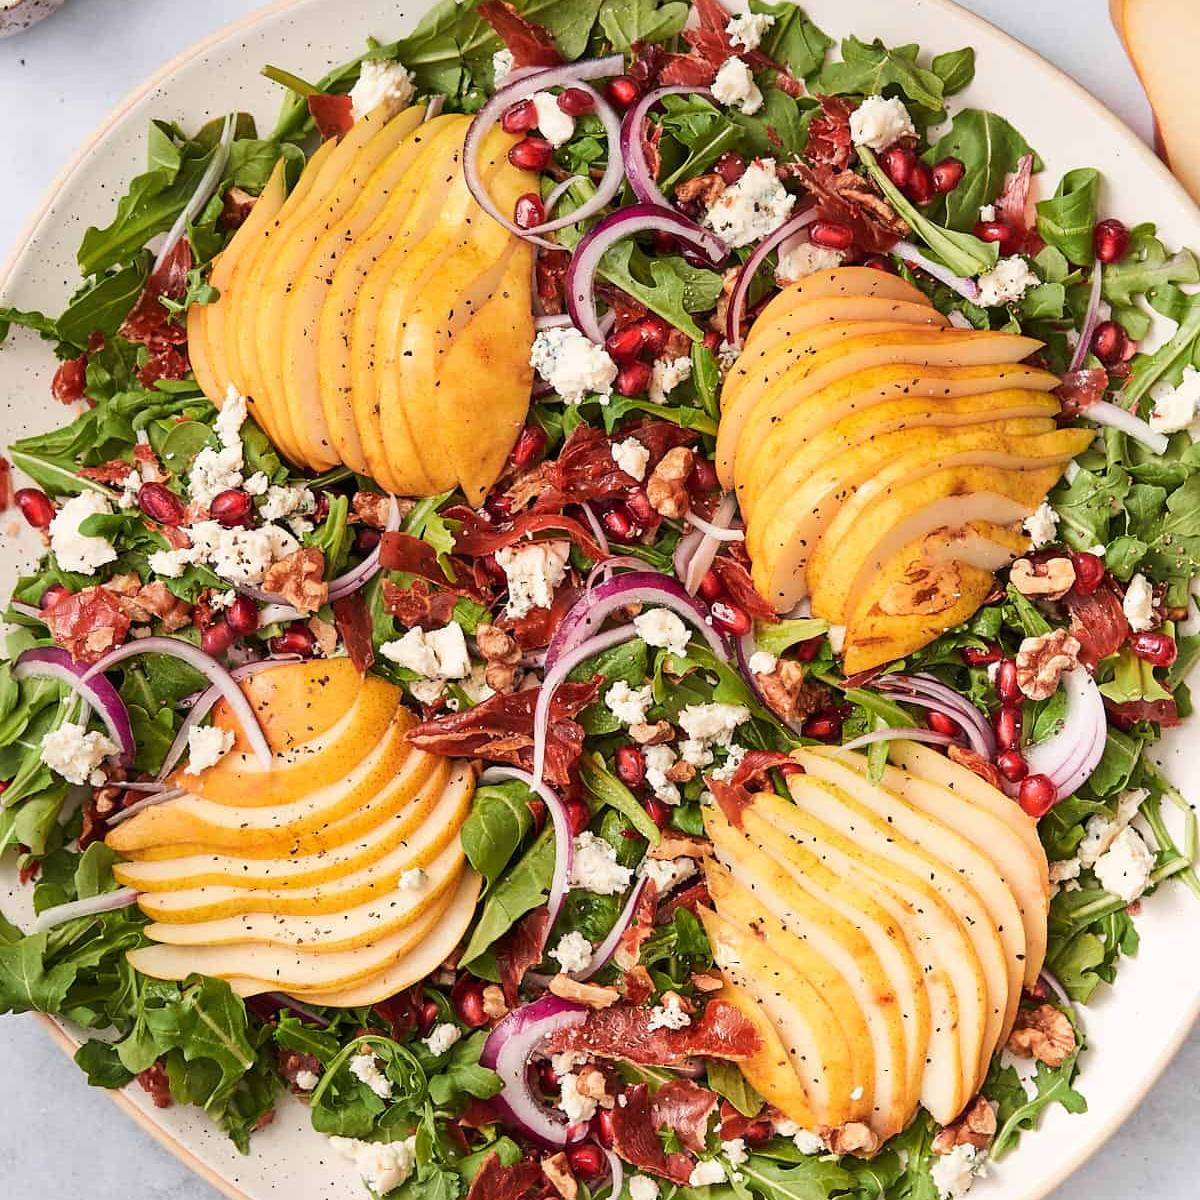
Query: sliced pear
x=818, y=313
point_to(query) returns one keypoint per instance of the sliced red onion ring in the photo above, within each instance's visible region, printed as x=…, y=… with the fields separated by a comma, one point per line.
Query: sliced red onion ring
x=433, y=108
x=1069, y=757
x=927, y=692
x=910, y=734
x=551, y=321
x=596, y=528
x=278, y=1000
x=564, y=841
x=508, y=1050
x=27, y=610
x=741, y=289
x=93, y=906
x=603, y=953
x=366, y=570
x=637, y=170
x=616, y=1171
x=1091, y=320
x=1104, y=412
x=714, y=530
x=618, y=562
x=958, y=320
x=911, y=254
x=159, y=797
x=51, y=662
x=570, y=75
x=637, y=218
x=208, y=666
x=701, y=555
x=204, y=190
x=277, y=614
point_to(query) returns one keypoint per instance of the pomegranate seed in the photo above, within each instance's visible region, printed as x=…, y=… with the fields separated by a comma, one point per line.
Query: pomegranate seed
x=658, y=812
x=232, y=508
x=880, y=262
x=1111, y=240
x=587, y=1160
x=712, y=341
x=999, y=231
x=704, y=476
x=711, y=588
x=52, y=595
x=547, y=1076
x=947, y=174
x=1006, y=682
x=216, y=639
x=531, y=154
x=623, y=91
x=365, y=540
x=619, y=522
x=940, y=723
x=730, y=167
x=833, y=235
x=1037, y=795
x=519, y=118
x=602, y=1128
x=160, y=504
x=578, y=815
x=575, y=102
x=529, y=211
x=759, y=1134
x=530, y=444
x=296, y=639
x=1012, y=765
x=631, y=765
x=633, y=379
x=467, y=999
x=640, y=506
x=624, y=345
x=899, y=163
x=807, y=651
x=654, y=331
x=1007, y=723
x=1089, y=572
x=665, y=243
x=731, y=619
x=824, y=726
x=36, y=507
x=1155, y=648
x=242, y=616
x=427, y=1018
x=974, y=657
x=320, y=507
x=920, y=188
x=1109, y=342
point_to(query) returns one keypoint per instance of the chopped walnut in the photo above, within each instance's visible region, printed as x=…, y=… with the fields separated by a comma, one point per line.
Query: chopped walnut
x=299, y=579
x=675, y=1000
x=707, y=983
x=155, y=600
x=370, y=508
x=679, y=845
x=1042, y=661
x=494, y=1006
x=681, y=771
x=667, y=486
x=704, y=190
x=591, y=994
x=326, y=635
x=786, y=693
x=677, y=345
x=1043, y=1033
x=852, y=1138
x=1050, y=580
x=652, y=735
x=974, y=761
x=557, y=1169
x=236, y=207
x=976, y=1127
x=590, y=1082
x=925, y=588
x=501, y=653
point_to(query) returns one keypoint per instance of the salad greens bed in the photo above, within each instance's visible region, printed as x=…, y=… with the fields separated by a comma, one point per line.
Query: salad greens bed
x=1132, y=502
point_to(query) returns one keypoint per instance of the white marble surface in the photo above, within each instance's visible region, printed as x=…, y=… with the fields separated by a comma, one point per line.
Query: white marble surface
x=63, y=1140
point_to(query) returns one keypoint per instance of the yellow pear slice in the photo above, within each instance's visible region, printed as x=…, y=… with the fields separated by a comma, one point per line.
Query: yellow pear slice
x=840, y=283
x=808, y=1030
x=300, y=870
x=820, y=313
x=283, y=968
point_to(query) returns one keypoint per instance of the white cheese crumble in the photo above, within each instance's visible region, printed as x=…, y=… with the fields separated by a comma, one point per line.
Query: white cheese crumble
x=412, y=880
x=734, y=87
x=642, y=1187
x=706, y=1171
x=669, y=1015
x=799, y=257
x=75, y=754
x=1006, y=282
x=1100, y=831
x=238, y=555
x=1139, y=604
x=502, y=64
x=573, y=952
x=632, y=457
x=1175, y=408
x=661, y=627
x=572, y=365
x=728, y=354
x=837, y=638
x=1124, y=868
x=1065, y=870
x=307, y=1080
x=1041, y=525
x=803, y=1139
x=735, y=1151
x=667, y=873
x=217, y=469
x=384, y=1166
x=752, y=208
x=667, y=374
x=954, y=1173
x=578, y=1107
x=659, y=760
x=987, y=213
x=365, y=1067
x=290, y=504
x=594, y=866
x=628, y=704
x=712, y=723
x=380, y=82
x=555, y=125
x=746, y=29
x=207, y=745
x=533, y=572
x=76, y=551
x=442, y=1037
x=256, y=485
x=762, y=662
x=878, y=123
x=728, y=768
x=435, y=653
x=695, y=752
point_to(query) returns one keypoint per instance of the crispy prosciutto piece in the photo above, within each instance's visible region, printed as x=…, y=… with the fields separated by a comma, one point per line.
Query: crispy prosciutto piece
x=1012, y=205
x=1129, y=713
x=495, y=1181
x=734, y=796
x=418, y=606
x=636, y=1140
x=692, y=897
x=477, y=537
x=70, y=380
x=148, y=322
x=685, y=1107
x=1082, y=388
x=624, y=1032
x=1098, y=622
x=89, y=623
x=353, y=623
x=167, y=363
x=403, y=552
x=711, y=47
x=537, y=626
x=332, y=115
x=829, y=142
x=520, y=949
x=629, y=947
x=6, y=487
x=530, y=44
x=113, y=472
x=740, y=587
x=846, y=198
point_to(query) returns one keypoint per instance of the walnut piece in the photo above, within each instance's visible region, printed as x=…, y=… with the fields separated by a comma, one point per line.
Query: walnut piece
x=1049, y=580
x=666, y=488
x=590, y=1082
x=370, y=508
x=704, y=189
x=786, y=693
x=974, y=761
x=299, y=580
x=926, y=588
x=707, y=983
x=679, y=845
x=591, y=994
x=557, y=1169
x=652, y=735
x=1042, y=661
x=1043, y=1033
x=681, y=772
x=326, y=635
x=852, y=1138
x=501, y=653
x=976, y=1127
x=494, y=1006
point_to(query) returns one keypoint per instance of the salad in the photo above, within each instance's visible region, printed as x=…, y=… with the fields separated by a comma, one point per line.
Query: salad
x=532, y=574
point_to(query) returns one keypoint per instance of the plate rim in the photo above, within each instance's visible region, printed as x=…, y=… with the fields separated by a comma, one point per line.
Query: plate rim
x=1081, y=1152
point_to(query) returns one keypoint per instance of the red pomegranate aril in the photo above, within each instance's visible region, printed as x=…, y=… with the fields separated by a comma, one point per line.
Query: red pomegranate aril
x=639, y=504
x=231, y=509
x=1007, y=724
x=52, y=595
x=808, y=650
x=880, y=262
x=36, y=507
x=1089, y=572
x=631, y=765
x=634, y=378
x=704, y=476
x=602, y=1128
x=1111, y=240
x=242, y=616
x=1155, y=648
x=730, y=167
x=575, y=102
x=625, y=344
x=665, y=243
x=1037, y=795
x=1109, y=342
x=823, y=727
x=619, y=522
x=1001, y=232
x=587, y=1160
x=833, y=235
x=529, y=211
x=296, y=639
x=974, y=657
x=427, y=1017
x=1006, y=682
x=658, y=812
x=920, y=188
x=940, y=723
x=947, y=175
x=731, y=619
x=578, y=815
x=519, y=118
x=531, y=154
x=899, y=163
x=467, y=998
x=1012, y=765
x=623, y=91
x=712, y=341
x=654, y=331
x=160, y=504
x=711, y=588
x=365, y=540
x=547, y=1076
x=530, y=444
x=216, y=639
x=759, y=1134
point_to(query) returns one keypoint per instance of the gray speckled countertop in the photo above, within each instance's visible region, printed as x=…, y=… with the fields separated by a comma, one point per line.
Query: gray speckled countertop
x=61, y=1140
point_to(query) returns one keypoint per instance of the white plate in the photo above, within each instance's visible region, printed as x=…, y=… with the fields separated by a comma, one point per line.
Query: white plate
x=1135, y=1028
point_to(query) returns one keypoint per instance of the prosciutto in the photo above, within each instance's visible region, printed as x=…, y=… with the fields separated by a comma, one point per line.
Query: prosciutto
x=636, y=1140
x=530, y=44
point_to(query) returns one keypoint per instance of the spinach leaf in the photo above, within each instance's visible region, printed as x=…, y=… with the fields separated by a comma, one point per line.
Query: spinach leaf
x=1147, y=266
x=499, y=820
x=627, y=22
x=794, y=41
x=956, y=69
x=103, y=305
x=462, y=1076
x=726, y=1079
x=1066, y=220
x=870, y=68
x=609, y=790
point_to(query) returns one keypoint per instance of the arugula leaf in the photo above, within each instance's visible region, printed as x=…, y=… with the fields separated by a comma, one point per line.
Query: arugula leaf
x=956, y=69
x=674, y=290
x=46, y=327
x=1015, y=1114
x=794, y=41
x=1146, y=266
x=1067, y=219
x=102, y=306
x=462, y=1076
x=806, y=1179
x=870, y=68
x=726, y=1079
x=100, y=1063
x=627, y=22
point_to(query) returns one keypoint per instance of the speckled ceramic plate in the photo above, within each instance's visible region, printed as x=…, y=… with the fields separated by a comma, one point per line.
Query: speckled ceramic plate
x=1135, y=1028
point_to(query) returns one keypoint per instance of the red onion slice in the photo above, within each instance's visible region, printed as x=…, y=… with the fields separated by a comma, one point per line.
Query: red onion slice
x=93, y=906
x=737, y=300
x=204, y=190
x=927, y=692
x=1069, y=757
x=701, y=559
x=570, y=75
x=366, y=570
x=51, y=662
x=209, y=667
x=910, y=734
x=616, y=1171
x=637, y=170
x=159, y=797
x=637, y=218
x=508, y=1050
x=622, y=562
x=1103, y=412
x=596, y=528
x=1091, y=320
x=968, y=289
x=715, y=530
x=603, y=953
